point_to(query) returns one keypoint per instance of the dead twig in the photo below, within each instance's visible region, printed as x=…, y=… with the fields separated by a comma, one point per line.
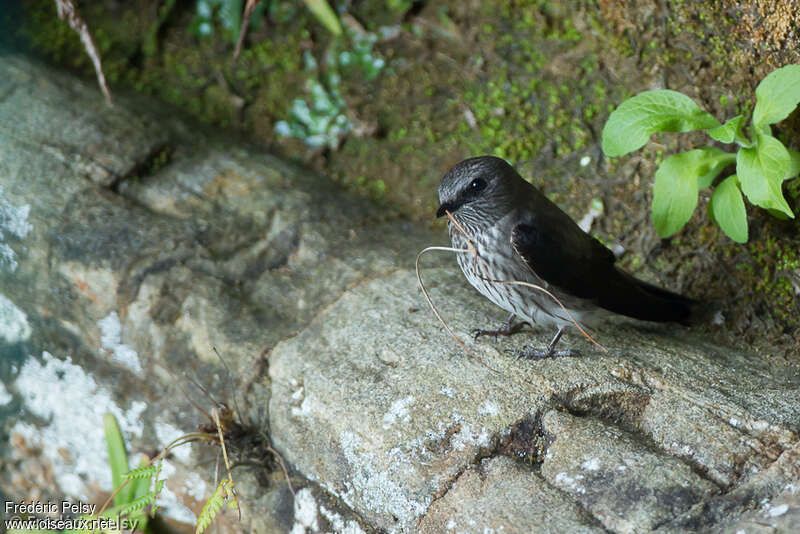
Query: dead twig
x=215, y=413
x=67, y=11
x=248, y=12
x=433, y=307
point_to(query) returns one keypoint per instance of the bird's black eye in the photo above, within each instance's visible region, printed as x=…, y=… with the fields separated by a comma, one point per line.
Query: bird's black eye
x=477, y=185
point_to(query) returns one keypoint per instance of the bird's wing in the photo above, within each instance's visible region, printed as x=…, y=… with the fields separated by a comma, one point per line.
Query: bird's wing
x=551, y=258
x=562, y=254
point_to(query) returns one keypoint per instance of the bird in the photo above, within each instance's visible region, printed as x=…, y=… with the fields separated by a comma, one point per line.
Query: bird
x=510, y=237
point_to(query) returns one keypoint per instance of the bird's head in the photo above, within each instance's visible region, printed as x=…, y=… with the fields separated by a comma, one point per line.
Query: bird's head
x=478, y=191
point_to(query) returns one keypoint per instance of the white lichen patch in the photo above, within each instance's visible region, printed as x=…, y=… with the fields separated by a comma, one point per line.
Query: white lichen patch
x=467, y=436
x=168, y=500
x=111, y=341
x=777, y=511
x=447, y=391
x=592, y=464
x=304, y=410
x=14, y=327
x=571, y=483
x=302, y=403
x=13, y=223
x=338, y=524
x=5, y=396
x=489, y=408
x=305, y=512
x=195, y=487
x=166, y=434
x=398, y=412
x=377, y=486
x=69, y=399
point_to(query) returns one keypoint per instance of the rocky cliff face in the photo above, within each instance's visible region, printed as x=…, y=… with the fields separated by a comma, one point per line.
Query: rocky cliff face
x=133, y=244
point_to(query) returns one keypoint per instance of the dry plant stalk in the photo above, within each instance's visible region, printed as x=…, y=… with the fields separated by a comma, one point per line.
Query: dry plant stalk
x=67, y=10
x=215, y=413
x=248, y=12
x=479, y=263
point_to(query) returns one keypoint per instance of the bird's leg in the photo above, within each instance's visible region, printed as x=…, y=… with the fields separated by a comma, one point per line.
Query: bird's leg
x=506, y=329
x=534, y=354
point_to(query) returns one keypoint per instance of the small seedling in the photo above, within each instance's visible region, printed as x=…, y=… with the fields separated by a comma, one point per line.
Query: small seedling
x=762, y=162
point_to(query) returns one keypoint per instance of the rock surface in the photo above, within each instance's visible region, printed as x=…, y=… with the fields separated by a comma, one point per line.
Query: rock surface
x=133, y=244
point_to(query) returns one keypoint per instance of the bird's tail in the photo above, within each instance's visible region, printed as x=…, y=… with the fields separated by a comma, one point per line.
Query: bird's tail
x=641, y=300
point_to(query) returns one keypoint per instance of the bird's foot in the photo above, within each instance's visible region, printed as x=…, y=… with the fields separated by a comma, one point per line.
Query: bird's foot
x=528, y=353
x=506, y=329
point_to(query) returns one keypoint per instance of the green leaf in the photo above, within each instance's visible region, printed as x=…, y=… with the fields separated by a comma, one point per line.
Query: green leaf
x=761, y=172
x=117, y=458
x=778, y=215
x=325, y=15
x=630, y=125
x=794, y=164
x=777, y=95
x=729, y=211
x=709, y=168
x=137, y=504
x=731, y=132
x=675, y=188
x=145, y=471
x=212, y=506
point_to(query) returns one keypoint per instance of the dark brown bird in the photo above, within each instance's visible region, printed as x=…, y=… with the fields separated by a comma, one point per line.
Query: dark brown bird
x=520, y=235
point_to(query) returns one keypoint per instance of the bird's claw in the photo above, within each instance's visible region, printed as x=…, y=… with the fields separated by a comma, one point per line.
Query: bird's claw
x=477, y=332
x=505, y=330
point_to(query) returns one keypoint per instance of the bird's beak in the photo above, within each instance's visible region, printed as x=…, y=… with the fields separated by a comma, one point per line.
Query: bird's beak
x=444, y=208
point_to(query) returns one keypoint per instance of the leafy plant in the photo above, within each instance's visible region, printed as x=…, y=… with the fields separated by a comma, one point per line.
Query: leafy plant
x=323, y=120
x=762, y=162
x=134, y=491
x=229, y=13
x=140, y=487
x=222, y=493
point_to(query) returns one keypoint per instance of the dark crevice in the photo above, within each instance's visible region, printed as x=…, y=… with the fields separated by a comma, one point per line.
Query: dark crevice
x=589, y=517
x=527, y=442
x=158, y=157
x=416, y=8
x=129, y=286
x=623, y=410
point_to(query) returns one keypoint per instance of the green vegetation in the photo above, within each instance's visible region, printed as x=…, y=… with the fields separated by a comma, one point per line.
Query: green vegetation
x=323, y=121
x=520, y=112
x=763, y=163
x=229, y=13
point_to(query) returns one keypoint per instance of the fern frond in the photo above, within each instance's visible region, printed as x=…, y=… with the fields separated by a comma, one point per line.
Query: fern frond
x=137, y=504
x=213, y=505
x=141, y=472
